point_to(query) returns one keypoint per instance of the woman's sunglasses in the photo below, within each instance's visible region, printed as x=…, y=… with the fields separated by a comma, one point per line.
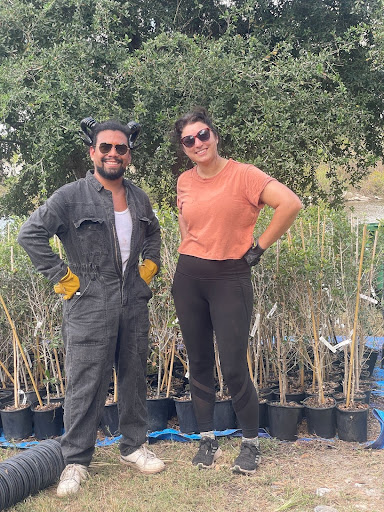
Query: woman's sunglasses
x=203, y=135
x=121, y=149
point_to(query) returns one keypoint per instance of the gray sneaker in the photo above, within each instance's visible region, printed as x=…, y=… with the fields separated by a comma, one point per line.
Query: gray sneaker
x=144, y=460
x=207, y=454
x=248, y=460
x=71, y=479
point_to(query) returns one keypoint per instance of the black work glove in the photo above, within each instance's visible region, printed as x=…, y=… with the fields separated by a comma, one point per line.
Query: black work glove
x=253, y=255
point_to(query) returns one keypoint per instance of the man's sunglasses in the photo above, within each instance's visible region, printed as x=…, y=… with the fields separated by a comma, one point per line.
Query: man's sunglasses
x=203, y=135
x=105, y=148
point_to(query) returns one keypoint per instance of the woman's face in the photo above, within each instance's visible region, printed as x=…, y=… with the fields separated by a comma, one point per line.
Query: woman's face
x=202, y=151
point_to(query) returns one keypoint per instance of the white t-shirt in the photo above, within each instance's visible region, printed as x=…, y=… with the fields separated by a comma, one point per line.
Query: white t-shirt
x=123, y=221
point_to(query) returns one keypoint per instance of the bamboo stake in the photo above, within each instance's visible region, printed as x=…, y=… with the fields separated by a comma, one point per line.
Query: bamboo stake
x=171, y=367
x=15, y=370
x=165, y=376
x=281, y=358
x=12, y=264
x=256, y=350
x=7, y=372
x=159, y=373
x=58, y=245
x=40, y=372
x=62, y=390
x=21, y=350
x=373, y=259
x=249, y=361
x=115, y=392
x=353, y=344
x=218, y=369
x=182, y=361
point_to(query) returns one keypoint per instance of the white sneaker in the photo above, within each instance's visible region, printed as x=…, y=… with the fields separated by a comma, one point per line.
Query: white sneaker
x=71, y=479
x=144, y=460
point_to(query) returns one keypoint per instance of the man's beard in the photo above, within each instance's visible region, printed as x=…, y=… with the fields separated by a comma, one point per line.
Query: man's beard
x=111, y=175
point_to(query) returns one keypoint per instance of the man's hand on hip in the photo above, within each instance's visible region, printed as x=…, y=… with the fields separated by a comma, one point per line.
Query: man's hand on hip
x=147, y=270
x=68, y=285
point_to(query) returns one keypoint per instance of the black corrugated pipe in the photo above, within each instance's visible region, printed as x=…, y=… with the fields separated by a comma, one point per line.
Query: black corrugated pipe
x=28, y=472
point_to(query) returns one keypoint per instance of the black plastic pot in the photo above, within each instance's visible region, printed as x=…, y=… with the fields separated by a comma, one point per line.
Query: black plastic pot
x=31, y=396
x=283, y=420
x=17, y=423
x=297, y=397
x=321, y=421
x=157, y=413
x=48, y=423
x=224, y=416
x=186, y=416
x=367, y=394
x=171, y=408
x=55, y=400
x=263, y=413
x=5, y=396
x=371, y=360
x=109, y=423
x=352, y=424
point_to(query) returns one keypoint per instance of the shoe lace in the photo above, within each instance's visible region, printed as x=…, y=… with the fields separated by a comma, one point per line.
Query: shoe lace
x=147, y=453
x=72, y=471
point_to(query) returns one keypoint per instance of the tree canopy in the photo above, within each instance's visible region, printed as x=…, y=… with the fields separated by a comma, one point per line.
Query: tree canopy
x=290, y=84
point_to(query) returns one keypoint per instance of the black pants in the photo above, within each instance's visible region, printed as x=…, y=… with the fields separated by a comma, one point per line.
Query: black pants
x=217, y=296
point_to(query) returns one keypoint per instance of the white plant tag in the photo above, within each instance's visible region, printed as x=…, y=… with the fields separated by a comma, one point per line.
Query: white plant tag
x=255, y=325
x=24, y=397
x=38, y=326
x=186, y=375
x=327, y=344
x=369, y=299
x=271, y=313
x=342, y=344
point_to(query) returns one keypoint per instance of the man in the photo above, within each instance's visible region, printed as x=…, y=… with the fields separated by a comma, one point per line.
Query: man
x=105, y=224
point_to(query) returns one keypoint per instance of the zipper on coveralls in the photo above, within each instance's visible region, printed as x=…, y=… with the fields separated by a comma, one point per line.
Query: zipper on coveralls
x=118, y=266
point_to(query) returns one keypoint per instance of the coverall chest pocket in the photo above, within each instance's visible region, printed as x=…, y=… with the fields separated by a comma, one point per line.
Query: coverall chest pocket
x=144, y=222
x=91, y=232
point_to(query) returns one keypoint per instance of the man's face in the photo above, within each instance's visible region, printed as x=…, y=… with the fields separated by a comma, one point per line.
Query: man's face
x=110, y=165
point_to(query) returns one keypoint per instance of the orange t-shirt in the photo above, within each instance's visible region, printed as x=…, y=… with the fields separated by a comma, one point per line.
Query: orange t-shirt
x=220, y=213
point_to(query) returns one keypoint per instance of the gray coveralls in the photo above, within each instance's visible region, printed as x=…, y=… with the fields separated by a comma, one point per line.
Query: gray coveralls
x=107, y=322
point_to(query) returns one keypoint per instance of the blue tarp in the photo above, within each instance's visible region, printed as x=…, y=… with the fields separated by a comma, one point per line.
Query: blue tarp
x=167, y=434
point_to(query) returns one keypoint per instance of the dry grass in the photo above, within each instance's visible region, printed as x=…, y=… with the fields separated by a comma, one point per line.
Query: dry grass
x=288, y=479
x=372, y=185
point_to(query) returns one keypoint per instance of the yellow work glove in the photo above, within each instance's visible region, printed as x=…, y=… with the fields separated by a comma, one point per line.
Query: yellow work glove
x=68, y=285
x=147, y=270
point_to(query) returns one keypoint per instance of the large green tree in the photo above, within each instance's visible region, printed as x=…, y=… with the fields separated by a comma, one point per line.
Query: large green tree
x=290, y=84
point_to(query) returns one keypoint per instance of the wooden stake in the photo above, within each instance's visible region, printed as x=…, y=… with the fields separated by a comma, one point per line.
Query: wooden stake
x=59, y=371
x=7, y=372
x=218, y=369
x=353, y=344
x=21, y=351
x=15, y=370
x=115, y=393
x=12, y=265
x=171, y=367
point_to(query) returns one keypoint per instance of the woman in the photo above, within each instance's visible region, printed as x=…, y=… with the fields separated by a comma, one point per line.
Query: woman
x=219, y=201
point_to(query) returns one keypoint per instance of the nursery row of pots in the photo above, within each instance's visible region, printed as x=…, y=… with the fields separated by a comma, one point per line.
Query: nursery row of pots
x=281, y=420
x=351, y=423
